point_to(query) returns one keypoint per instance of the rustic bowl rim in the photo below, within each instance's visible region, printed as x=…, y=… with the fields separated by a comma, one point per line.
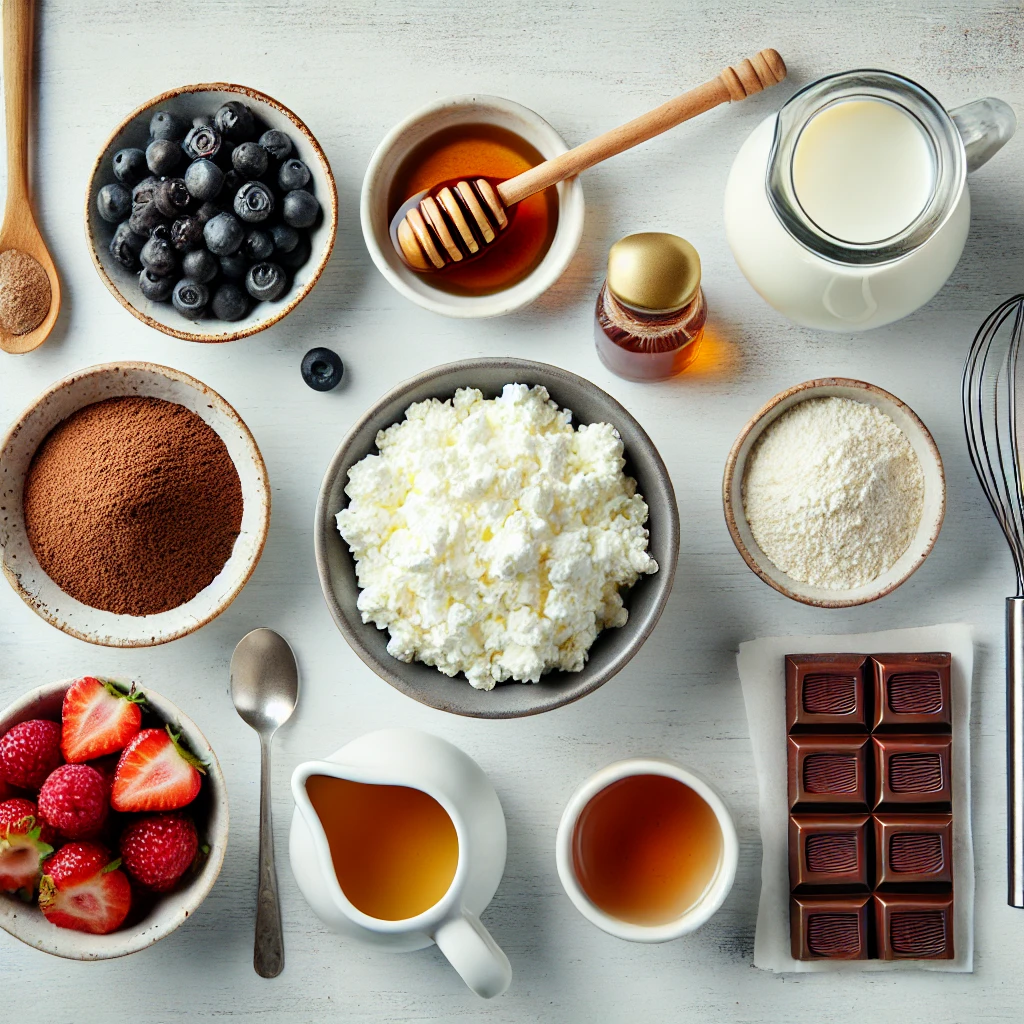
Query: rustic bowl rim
x=758, y=423
x=295, y=299
x=183, y=378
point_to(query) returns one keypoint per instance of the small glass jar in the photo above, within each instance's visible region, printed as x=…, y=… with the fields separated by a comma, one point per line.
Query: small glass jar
x=651, y=311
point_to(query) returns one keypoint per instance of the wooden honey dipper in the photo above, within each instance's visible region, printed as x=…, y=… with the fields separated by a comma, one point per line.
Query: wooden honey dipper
x=432, y=229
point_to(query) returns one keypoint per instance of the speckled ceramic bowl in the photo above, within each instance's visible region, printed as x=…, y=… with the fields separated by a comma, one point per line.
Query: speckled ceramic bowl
x=209, y=810
x=613, y=647
x=934, y=493
x=191, y=101
x=22, y=569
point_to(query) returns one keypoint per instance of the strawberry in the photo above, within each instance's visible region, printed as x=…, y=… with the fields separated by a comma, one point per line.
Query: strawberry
x=158, y=849
x=155, y=773
x=98, y=719
x=84, y=890
x=24, y=843
x=74, y=800
x=29, y=752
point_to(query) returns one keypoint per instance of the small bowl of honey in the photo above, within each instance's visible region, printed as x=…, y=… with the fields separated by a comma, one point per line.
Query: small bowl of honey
x=474, y=137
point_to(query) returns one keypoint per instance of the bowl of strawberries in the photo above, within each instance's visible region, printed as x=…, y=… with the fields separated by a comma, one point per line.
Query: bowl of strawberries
x=113, y=818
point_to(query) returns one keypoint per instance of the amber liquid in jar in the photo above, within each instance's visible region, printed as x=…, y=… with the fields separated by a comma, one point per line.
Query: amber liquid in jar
x=646, y=849
x=482, y=151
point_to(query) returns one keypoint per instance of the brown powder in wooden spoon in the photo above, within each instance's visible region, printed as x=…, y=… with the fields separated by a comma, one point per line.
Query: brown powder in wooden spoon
x=24, y=292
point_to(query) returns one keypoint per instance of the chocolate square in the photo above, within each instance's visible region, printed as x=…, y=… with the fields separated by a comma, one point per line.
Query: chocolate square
x=827, y=692
x=828, y=771
x=914, y=927
x=911, y=692
x=912, y=771
x=829, y=851
x=829, y=927
x=913, y=849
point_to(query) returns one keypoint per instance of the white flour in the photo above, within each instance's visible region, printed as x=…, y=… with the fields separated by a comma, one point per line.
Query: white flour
x=833, y=492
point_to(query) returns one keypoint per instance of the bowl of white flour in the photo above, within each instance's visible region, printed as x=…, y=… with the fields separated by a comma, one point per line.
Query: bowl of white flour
x=496, y=537
x=834, y=493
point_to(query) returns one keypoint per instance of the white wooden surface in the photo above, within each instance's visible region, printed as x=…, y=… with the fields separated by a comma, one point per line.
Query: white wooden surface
x=351, y=69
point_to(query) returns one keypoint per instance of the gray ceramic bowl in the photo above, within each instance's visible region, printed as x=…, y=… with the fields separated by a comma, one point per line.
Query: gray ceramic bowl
x=613, y=647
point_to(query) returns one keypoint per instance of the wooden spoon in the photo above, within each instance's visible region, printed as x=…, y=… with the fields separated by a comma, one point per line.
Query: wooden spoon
x=19, y=229
x=453, y=221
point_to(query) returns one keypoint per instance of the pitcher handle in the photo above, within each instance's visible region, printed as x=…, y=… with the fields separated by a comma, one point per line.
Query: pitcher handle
x=474, y=954
x=985, y=126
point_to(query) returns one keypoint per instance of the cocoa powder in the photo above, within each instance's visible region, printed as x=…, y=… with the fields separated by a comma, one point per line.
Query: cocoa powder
x=132, y=505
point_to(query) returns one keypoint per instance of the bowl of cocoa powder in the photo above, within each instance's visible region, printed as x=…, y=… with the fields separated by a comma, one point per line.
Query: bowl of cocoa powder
x=134, y=504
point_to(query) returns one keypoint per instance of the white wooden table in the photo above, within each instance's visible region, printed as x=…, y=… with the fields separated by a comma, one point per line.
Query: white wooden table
x=352, y=69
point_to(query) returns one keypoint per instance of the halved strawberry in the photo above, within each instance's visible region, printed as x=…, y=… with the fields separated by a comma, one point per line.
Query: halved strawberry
x=155, y=773
x=84, y=890
x=24, y=843
x=98, y=719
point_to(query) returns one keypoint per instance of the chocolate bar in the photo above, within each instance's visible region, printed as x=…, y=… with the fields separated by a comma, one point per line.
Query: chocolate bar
x=914, y=927
x=831, y=927
x=911, y=692
x=826, y=691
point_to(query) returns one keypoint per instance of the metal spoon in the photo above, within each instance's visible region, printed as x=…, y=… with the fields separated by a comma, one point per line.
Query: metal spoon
x=265, y=689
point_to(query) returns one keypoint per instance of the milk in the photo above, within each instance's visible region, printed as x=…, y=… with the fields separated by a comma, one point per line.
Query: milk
x=863, y=169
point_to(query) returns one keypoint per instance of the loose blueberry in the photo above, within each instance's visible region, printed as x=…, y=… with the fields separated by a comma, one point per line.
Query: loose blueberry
x=126, y=245
x=254, y=202
x=265, y=282
x=145, y=217
x=258, y=245
x=234, y=267
x=158, y=255
x=165, y=125
x=171, y=197
x=230, y=302
x=163, y=156
x=293, y=174
x=202, y=142
x=114, y=202
x=277, y=144
x=295, y=259
x=200, y=265
x=235, y=121
x=129, y=166
x=190, y=298
x=300, y=209
x=145, y=190
x=186, y=234
x=322, y=369
x=223, y=234
x=155, y=287
x=285, y=238
x=249, y=159
x=203, y=179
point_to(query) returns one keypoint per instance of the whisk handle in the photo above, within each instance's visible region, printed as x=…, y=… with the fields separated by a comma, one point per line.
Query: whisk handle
x=1015, y=748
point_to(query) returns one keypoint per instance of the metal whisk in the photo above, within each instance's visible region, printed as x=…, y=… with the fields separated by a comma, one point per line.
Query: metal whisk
x=990, y=420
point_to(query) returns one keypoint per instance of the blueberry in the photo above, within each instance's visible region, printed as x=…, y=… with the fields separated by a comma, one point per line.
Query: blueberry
x=235, y=121
x=254, y=202
x=223, y=234
x=207, y=212
x=171, y=197
x=186, y=234
x=294, y=259
x=161, y=230
x=190, y=298
x=145, y=217
x=230, y=302
x=285, y=238
x=200, y=265
x=155, y=287
x=165, y=125
x=129, y=166
x=249, y=159
x=126, y=245
x=202, y=141
x=203, y=179
x=258, y=245
x=265, y=282
x=233, y=267
x=300, y=209
x=276, y=143
x=322, y=369
x=145, y=190
x=114, y=202
x=293, y=174
x=162, y=156
x=158, y=255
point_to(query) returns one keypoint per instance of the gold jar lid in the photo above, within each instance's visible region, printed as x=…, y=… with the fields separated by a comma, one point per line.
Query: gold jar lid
x=653, y=272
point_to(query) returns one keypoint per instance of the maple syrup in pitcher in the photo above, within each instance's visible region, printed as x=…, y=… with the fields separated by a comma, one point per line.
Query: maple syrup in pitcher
x=467, y=151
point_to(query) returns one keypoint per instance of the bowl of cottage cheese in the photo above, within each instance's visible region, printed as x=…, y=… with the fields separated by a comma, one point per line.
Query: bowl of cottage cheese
x=496, y=537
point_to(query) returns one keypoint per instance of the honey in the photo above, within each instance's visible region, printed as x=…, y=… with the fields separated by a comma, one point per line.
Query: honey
x=482, y=151
x=646, y=849
x=394, y=848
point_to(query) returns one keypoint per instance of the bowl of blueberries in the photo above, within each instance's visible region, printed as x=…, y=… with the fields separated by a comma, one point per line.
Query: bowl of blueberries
x=211, y=212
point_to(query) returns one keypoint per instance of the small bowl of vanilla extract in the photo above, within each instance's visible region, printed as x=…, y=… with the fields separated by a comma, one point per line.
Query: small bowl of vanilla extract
x=474, y=136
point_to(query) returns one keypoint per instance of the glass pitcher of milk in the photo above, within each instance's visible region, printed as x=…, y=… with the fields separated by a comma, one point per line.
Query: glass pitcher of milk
x=849, y=209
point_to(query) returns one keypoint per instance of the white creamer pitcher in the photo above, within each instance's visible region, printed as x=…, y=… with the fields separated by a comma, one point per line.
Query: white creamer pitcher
x=417, y=760
x=824, y=281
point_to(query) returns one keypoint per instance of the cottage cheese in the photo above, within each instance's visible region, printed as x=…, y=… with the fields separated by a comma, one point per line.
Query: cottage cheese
x=492, y=538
